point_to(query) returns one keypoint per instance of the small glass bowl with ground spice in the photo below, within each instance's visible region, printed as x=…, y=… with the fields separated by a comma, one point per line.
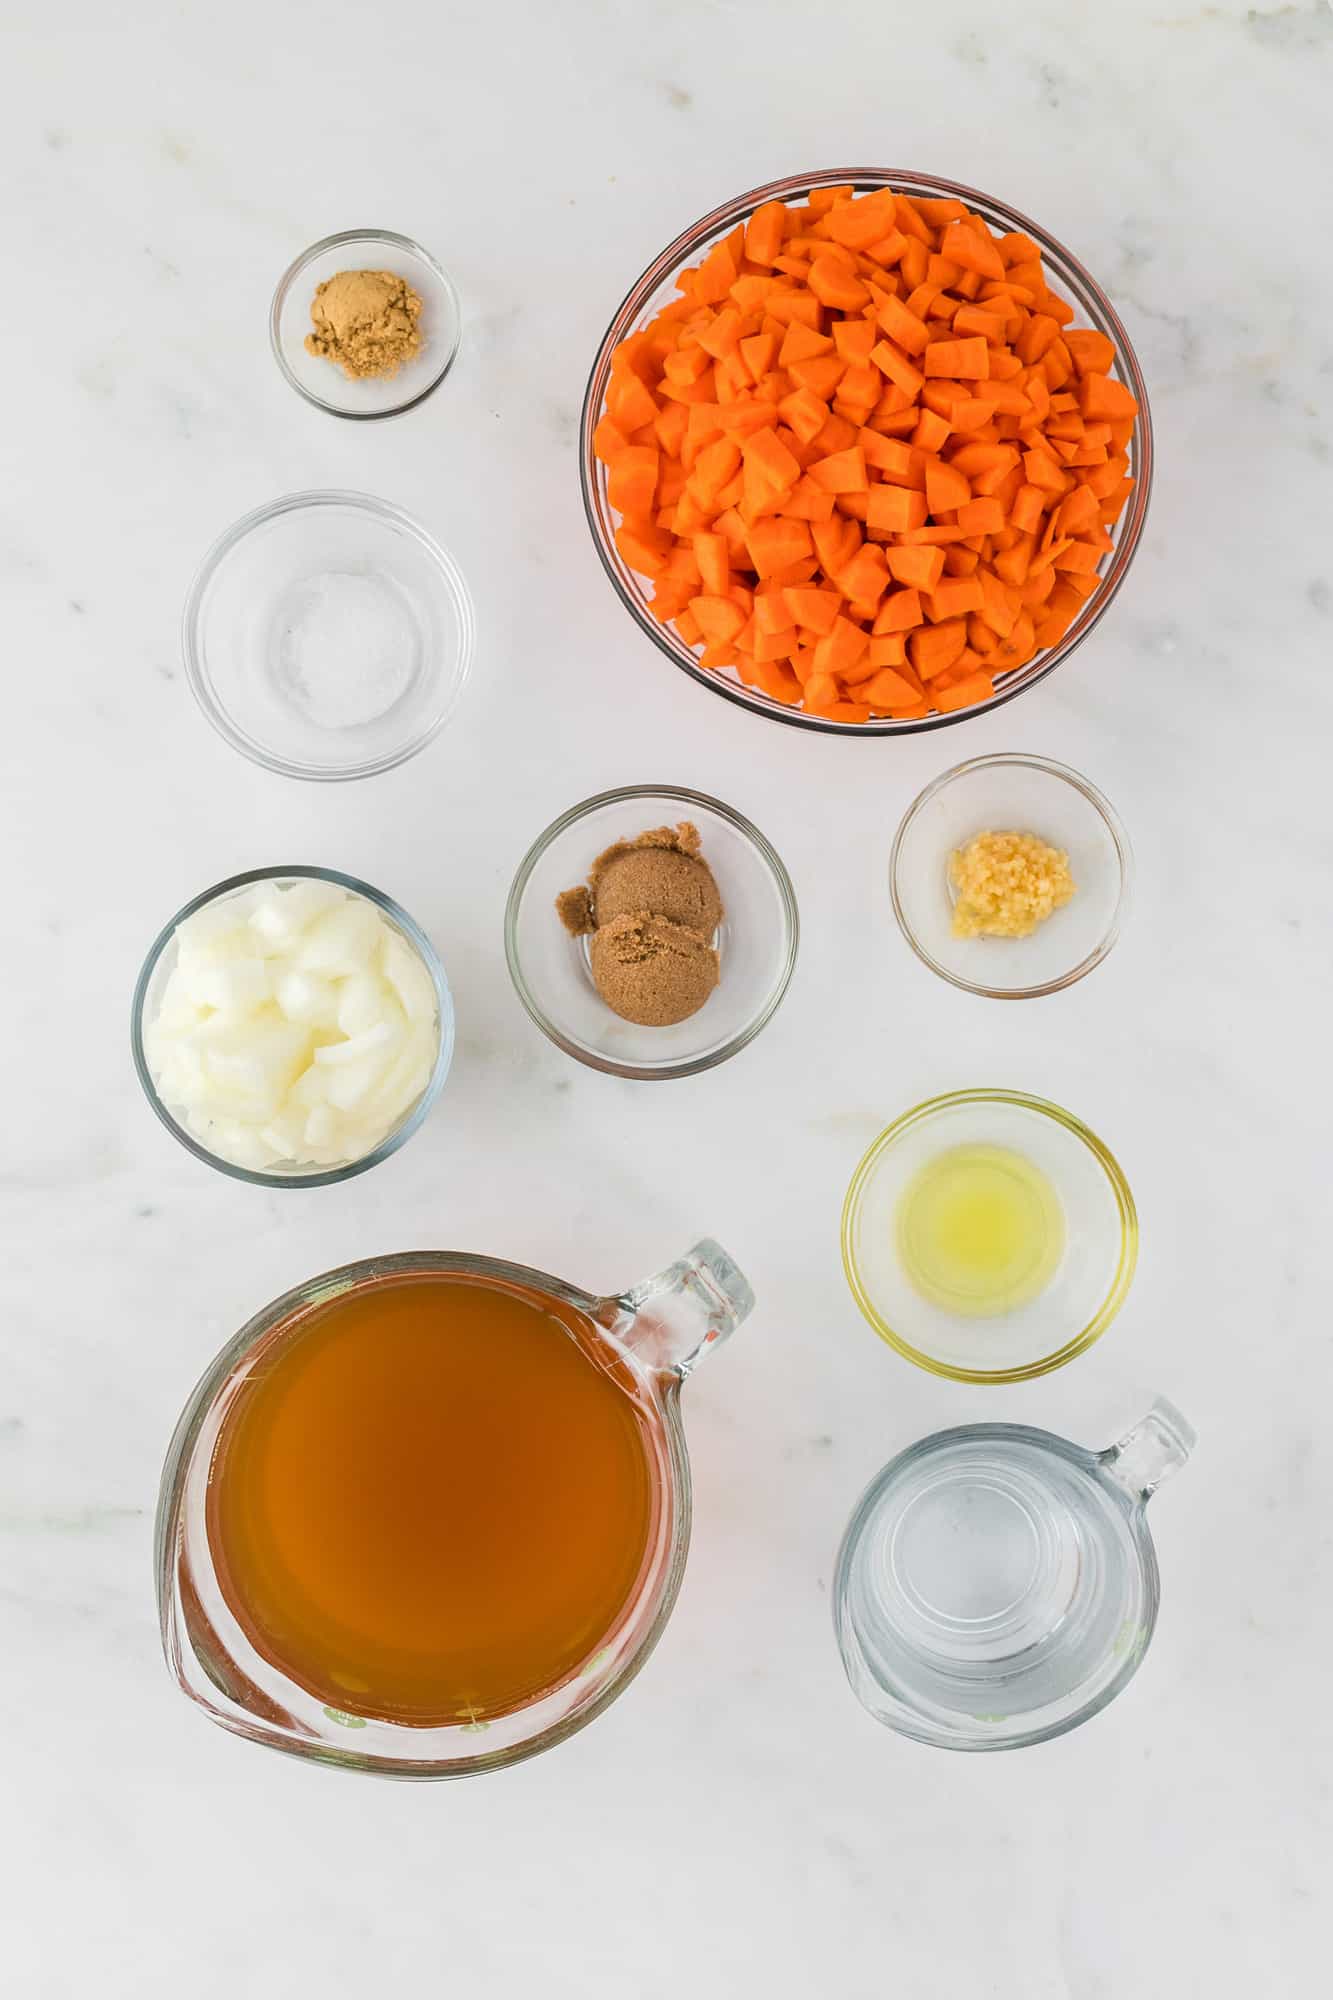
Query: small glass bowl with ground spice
x=651, y=932
x=365, y=324
x=1010, y=876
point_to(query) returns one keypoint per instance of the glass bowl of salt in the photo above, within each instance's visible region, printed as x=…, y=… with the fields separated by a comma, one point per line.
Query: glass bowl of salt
x=328, y=635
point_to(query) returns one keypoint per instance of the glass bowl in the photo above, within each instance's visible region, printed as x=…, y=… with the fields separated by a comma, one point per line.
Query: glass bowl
x=1012, y=794
x=157, y=969
x=657, y=285
x=320, y=381
x=327, y=636
x=1083, y=1294
x=756, y=940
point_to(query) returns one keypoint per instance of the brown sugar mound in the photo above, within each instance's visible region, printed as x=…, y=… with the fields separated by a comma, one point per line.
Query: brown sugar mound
x=651, y=907
x=652, y=971
x=664, y=880
x=365, y=322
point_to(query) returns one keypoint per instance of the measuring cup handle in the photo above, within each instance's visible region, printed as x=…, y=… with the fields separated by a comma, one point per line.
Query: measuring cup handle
x=673, y=1318
x=1156, y=1447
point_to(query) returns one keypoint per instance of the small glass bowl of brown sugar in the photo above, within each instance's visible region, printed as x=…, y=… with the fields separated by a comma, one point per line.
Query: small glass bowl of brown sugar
x=579, y=976
x=365, y=324
x=1010, y=876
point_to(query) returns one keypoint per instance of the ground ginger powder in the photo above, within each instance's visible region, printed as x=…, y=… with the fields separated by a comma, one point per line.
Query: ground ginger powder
x=1006, y=884
x=365, y=322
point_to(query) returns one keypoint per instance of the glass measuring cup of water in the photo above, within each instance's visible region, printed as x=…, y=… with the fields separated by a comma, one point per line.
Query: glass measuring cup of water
x=997, y=1585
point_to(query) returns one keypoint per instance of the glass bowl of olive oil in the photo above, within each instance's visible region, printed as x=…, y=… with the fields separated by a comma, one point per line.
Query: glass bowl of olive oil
x=989, y=1236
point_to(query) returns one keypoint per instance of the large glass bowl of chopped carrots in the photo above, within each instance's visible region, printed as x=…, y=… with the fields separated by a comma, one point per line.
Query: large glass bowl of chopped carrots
x=866, y=452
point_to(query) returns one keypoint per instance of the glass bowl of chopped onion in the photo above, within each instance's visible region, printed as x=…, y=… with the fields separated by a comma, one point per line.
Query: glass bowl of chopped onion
x=656, y=288
x=292, y=1027
x=1010, y=876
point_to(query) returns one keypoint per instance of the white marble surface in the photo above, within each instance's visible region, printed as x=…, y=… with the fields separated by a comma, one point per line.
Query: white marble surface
x=736, y=1825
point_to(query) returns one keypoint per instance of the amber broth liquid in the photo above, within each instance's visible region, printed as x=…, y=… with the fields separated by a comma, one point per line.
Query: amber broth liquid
x=431, y=1500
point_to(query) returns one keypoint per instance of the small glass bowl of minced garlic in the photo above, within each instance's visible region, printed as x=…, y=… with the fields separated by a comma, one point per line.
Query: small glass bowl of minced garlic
x=365, y=324
x=1010, y=876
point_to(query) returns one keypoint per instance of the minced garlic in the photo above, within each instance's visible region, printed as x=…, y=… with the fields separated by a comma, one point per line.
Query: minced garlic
x=1006, y=884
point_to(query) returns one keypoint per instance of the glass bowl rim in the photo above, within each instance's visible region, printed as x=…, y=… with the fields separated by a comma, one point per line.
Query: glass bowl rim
x=300, y=263
x=1079, y=1343
x=678, y=252
x=681, y=795
x=309, y=500
x=402, y=1132
x=1124, y=853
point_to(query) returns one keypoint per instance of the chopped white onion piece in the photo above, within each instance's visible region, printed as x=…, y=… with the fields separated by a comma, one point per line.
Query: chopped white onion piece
x=296, y=1028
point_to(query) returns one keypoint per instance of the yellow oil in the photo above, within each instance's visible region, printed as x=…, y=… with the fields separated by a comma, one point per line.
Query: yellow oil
x=980, y=1230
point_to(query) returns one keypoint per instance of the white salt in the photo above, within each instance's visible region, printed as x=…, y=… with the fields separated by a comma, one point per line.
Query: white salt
x=348, y=648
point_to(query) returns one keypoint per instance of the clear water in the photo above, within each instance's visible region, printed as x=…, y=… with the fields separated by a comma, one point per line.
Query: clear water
x=991, y=1585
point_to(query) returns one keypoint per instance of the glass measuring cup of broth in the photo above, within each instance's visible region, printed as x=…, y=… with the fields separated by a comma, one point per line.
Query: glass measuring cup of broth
x=998, y=1585
x=428, y=1514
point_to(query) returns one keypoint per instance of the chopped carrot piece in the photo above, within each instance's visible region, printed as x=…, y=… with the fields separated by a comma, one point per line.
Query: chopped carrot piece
x=632, y=480
x=900, y=612
x=764, y=232
x=946, y=487
x=981, y=517
x=1044, y=472
x=886, y=688
x=641, y=548
x=932, y=648
x=917, y=568
x=975, y=319
x=968, y=244
x=774, y=543
x=841, y=472
x=820, y=375
x=769, y=459
x=978, y=686
x=968, y=360
x=859, y=223
x=901, y=325
x=931, y=431
x=712, y=555
x=998, y=609
x=854, y=338
x=896, y=508
x=807, y=501
x=1078, y=511
x=952, y=597
x=802, y=343
x=865, y=579
x=804, y=414
x=834, y=285
x=962, y=413
x=821, y=691
x=893, y=363
x=899, y=463
x=608, y=441
x=1104, y=400
x=1025, y=509
x=1081, y=556
x=1093, y=353
x=813, y=608
x=889, y=649
x=629, y=402
x=841, y=647
x=718, y=618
